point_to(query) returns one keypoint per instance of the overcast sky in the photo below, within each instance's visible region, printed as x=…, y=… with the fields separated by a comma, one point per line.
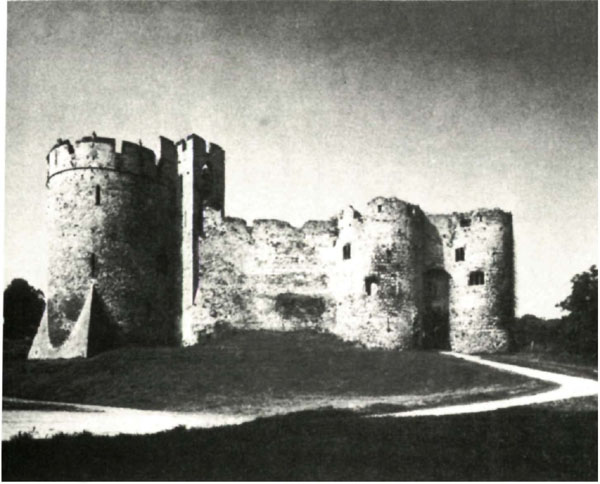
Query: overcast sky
x=452, y=106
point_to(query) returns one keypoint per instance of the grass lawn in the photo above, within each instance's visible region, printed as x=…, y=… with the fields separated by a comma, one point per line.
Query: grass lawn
x=246, y=370
x=527, y=443
x=568, y=364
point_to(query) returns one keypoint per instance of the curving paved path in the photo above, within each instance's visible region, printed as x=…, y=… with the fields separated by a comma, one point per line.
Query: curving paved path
x=100, y=420
x=569, y=387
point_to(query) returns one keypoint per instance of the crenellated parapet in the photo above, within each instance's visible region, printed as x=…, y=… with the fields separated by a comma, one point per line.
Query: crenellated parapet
x=100, y=153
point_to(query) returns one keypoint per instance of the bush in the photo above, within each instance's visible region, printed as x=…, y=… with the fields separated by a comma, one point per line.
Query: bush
x=582, y=320
x=23, y=309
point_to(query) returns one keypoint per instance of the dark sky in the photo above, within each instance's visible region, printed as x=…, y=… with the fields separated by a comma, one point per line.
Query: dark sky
x=449, y=105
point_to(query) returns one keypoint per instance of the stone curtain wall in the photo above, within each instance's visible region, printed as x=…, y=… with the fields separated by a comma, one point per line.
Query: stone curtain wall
x=268, y=276
x=478, y=313
x=108, y=221
x=277, y=277
x=284, y=262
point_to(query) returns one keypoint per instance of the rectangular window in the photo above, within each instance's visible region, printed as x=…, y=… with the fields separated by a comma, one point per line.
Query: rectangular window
x=97, y=194
x=93, y=264
x=346, y=251
x=459, y=254
x=465, y=222
x=476, y=278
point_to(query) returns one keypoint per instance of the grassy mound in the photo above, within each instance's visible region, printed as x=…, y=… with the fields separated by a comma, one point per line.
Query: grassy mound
x=239, y=370
x=569, y=364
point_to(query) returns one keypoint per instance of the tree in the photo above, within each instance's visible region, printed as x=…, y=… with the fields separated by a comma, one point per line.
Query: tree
x=23, y=309
x=582, y=305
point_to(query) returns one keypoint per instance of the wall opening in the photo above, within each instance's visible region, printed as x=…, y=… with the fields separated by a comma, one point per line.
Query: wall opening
x=476, y=278
x=206, y=180
x=371, y=285
x=97, y=194
x=465, y=222
x=379, y=208
x=346, y=251
x=459, y=254
x=93, y=265
x=436, y=317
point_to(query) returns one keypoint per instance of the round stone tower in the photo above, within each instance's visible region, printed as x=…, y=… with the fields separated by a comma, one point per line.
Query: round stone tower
x=378, y=274
x=475, y=250
x=482, y=297
x=113, y=228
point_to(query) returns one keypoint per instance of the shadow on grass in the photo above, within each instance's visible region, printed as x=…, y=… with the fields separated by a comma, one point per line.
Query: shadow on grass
x=516, y=444
x=247, y=367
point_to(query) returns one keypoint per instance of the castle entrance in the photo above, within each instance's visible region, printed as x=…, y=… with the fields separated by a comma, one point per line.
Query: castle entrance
x=436, y=318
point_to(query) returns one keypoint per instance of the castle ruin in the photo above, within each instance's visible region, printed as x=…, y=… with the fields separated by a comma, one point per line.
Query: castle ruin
x=141, y=253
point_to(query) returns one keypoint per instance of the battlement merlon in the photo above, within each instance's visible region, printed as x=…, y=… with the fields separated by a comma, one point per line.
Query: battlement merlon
x=201, y=149
x=167, y=163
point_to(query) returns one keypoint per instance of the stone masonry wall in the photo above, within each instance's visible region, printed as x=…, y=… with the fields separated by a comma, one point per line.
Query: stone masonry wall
x=107, y=218
x=269, y=276
x=479, y=313
x=378, y=289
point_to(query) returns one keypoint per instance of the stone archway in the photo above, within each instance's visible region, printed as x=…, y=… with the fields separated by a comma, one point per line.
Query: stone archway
x=436, y=317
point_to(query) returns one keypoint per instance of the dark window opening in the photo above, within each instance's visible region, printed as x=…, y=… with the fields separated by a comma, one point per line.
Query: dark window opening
x=379, y=208
x=388, y=255
x=371, y=284
x=346, y=251
x=465, y=222
x=97, y=194
x=476, y=278
x=206, y=176
x=93, y=268
x=459, y=254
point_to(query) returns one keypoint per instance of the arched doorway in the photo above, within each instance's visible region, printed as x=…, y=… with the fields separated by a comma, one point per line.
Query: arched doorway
x=436, y=317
